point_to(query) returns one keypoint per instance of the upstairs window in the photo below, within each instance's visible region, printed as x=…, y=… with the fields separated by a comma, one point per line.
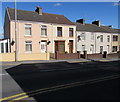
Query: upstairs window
x=28, y=30
x=92, y=36
x=83, y=36
x=115, y=38
x=43, y=30
x=59, y=31
x=70, y=32
x=101, y=38
x=108, y=38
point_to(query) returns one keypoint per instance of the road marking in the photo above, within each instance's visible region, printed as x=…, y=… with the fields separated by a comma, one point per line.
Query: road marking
x=35, y=92
x=4, y=74
x=9, y=64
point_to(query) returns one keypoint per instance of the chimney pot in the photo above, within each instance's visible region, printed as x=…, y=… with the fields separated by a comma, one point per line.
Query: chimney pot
x=38, y=10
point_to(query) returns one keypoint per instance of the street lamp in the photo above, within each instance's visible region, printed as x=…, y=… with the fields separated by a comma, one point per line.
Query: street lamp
x=16, y=46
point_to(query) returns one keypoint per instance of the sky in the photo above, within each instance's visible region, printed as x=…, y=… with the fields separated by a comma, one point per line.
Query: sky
x=106, y=12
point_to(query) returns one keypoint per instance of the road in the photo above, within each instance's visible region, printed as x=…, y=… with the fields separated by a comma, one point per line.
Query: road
x=66, y=81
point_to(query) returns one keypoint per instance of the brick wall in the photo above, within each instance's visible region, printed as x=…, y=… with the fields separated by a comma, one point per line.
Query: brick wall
x=94, y=56
x=59, y=56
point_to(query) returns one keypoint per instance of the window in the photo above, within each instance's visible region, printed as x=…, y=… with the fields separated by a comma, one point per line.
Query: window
x=83, y=36
x=92, y=49
x=115, y=38
x=101, y=38
x=28, y=46
x=70, y=32
x=114, y=48
x=101, y=49
x=108, y=38
x=2, y=48
x=59, y=31
x=43, y=30
x=28, y=30
x=92, y=36
x=83, y=47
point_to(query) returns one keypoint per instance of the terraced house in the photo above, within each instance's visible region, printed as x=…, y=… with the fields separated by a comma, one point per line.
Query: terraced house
x=39, y=33
x=96, y=38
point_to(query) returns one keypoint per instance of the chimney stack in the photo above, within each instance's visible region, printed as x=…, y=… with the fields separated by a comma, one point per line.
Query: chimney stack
x=96, y=23
x=82, y=21
x=38, y=10
x=110, y=26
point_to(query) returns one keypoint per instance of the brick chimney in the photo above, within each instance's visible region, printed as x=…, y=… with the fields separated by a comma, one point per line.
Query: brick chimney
x=82, y=21
x=96, y=23
x=38, y=10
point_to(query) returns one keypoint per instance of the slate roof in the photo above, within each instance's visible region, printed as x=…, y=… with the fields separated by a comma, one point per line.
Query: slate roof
x=95, y=28
x=34, y=16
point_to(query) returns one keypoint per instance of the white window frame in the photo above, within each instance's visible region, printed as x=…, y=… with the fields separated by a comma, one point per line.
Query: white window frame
x=44, y=27
x=101, y=38
x=108, y=38
x=83, y=47
x=83, y=36
x=28, y=43
x=28, y=26
x=92, y=36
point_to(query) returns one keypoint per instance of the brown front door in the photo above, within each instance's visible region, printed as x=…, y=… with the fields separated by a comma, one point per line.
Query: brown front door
x=60, y=46
x=71, y=46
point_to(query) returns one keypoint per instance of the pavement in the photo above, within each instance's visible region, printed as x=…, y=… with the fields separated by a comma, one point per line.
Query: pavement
x=12, y=64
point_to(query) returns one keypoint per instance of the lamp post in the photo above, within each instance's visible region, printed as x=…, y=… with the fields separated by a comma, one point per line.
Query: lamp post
x=16, y=46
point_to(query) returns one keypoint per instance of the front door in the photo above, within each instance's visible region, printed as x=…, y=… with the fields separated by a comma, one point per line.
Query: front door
x=60, y=46
x=43, y=46
x=71, y=46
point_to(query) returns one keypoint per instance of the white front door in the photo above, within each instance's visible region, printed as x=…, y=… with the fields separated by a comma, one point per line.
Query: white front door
x=43, y=46
x=107, y=48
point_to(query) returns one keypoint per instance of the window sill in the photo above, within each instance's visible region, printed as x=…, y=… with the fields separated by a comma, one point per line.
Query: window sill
x=28, y=36
x=28, y=52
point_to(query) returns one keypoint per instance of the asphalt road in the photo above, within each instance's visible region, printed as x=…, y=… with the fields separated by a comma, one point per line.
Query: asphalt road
x=68, y=81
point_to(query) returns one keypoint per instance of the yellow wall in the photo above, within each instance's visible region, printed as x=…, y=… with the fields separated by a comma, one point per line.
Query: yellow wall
x=31, y=56
x=7, y=57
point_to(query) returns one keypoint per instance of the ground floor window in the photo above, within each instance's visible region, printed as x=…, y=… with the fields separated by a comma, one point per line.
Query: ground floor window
x=28, y=46
x=92, y=49
x=60, y=46
x=101, y=49
x=114, y=48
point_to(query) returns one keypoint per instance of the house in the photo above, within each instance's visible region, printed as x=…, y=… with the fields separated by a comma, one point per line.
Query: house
x=39, y=33
x=92, y=37
x=4, y=46
x=115, y=37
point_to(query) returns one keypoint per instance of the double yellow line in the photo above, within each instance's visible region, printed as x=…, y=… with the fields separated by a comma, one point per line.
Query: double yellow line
x=49, y=89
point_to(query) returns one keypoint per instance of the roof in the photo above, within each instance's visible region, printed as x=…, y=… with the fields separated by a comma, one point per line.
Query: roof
x=111, y=30
x=95, y=28
x=34, y=16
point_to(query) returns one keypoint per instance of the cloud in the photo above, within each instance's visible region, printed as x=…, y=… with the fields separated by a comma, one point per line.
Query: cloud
x=116, y=4
x=57, y=4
